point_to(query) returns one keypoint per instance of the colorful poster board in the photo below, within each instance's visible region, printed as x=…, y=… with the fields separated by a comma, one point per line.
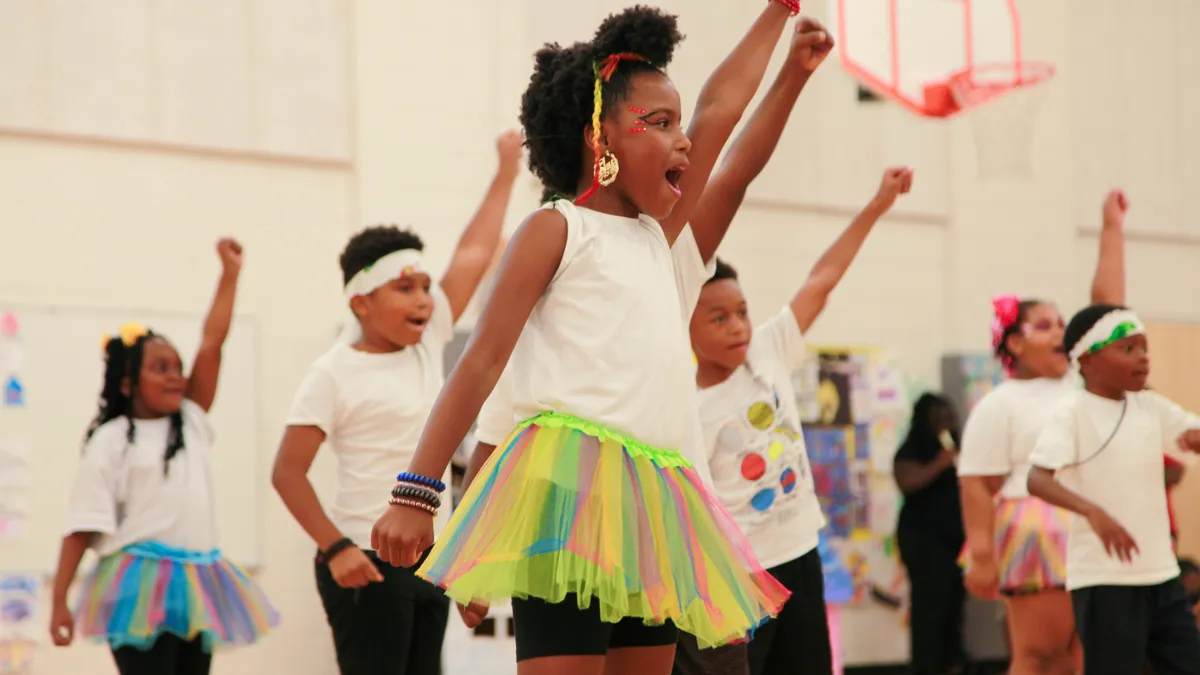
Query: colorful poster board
x=855, y=404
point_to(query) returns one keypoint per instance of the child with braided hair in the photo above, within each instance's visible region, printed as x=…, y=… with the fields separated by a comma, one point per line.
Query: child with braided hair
x=593, y=515
x=162, y=595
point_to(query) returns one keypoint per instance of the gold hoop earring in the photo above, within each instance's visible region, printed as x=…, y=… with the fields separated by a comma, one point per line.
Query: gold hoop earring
x=607, y=168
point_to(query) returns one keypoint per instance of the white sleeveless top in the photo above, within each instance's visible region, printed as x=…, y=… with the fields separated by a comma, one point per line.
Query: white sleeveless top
x=608, y=341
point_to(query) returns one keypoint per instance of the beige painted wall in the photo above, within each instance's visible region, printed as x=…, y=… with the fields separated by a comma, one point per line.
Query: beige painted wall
x=335, y=115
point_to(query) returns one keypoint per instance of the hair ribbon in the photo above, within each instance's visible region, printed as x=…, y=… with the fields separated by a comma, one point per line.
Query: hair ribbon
x=129, y=334
x=1006, y=310
x=604, y=71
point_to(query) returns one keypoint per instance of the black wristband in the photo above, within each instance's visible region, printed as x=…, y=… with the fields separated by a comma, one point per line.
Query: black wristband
x=335, y=548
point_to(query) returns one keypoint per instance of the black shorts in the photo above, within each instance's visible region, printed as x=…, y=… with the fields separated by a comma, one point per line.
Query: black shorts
x=562, y=629
x=690, y=659
x=796, y=641
x=1121, y=628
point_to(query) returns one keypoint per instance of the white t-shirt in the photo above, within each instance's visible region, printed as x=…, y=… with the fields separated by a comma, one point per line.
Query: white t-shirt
x=608, y=340
x=1003, y=428
x=1125, y=478
x=372, y=408
x=121, y=491
x=756, y=449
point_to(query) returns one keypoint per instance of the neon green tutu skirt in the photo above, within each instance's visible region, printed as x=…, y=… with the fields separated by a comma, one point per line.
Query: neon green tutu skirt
x=564, y=506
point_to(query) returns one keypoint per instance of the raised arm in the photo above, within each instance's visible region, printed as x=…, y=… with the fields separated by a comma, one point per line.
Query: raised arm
x=752, y=149
x=530, y=261
x=832, y=265
x=1108, y=286
x=479, y=241
x=722, y=101
x=206, y=370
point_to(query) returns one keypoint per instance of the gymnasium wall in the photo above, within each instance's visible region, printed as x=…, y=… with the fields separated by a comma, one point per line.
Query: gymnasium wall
x=121, y=218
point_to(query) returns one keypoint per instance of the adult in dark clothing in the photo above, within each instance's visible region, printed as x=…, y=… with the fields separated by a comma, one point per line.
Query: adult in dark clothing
x=930, y=536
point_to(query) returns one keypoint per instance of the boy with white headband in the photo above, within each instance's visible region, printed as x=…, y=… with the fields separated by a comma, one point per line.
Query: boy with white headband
x=1101, y=458
x=369, y=397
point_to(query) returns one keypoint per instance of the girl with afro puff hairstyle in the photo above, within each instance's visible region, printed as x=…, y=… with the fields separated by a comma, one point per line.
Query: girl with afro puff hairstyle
x=594, y=516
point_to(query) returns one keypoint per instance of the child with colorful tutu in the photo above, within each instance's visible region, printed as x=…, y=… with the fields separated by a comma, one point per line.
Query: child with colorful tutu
x=1016, y=545
x=162, y=595
x=593, y=515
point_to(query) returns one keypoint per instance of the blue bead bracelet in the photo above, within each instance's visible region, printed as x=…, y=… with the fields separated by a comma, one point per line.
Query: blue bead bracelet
x=434, y=483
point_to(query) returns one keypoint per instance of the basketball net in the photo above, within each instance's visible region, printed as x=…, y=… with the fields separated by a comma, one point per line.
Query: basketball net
x=1003, y=102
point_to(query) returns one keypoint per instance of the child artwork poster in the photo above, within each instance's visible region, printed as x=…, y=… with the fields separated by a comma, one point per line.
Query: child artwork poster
x=856, y=402
x=834, y=389
x=19, y=625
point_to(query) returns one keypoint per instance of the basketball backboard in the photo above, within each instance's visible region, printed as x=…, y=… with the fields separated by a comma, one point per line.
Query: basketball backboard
x=934, y=57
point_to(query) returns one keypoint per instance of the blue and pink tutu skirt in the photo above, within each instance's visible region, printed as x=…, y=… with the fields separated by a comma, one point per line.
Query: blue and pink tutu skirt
x=149, y=589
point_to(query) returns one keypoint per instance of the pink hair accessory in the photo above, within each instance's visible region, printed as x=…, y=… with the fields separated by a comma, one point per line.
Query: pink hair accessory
x=1006, y=309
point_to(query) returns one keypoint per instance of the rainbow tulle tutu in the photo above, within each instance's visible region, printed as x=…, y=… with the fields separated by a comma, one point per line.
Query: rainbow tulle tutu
x=565, y=506
x=149, y=589
x=1031, y=546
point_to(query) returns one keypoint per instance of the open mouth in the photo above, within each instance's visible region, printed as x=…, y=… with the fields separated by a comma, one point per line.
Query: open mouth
x=673, y=175
x=418, y=324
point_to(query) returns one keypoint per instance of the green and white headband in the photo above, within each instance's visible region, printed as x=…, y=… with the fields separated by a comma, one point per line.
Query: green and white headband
x=1116, y=325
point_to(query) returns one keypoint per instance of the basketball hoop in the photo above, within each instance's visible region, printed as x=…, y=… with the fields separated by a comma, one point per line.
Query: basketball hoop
x=1002, y=101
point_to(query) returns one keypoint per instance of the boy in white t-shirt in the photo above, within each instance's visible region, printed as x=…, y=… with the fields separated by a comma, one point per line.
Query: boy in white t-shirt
x=369, y=397
x=1100, y=457
x=751, y=429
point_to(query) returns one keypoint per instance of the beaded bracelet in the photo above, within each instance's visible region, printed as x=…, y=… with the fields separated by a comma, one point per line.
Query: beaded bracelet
x=434, y=483
x=418, y=492
x=427, y=493
x=414, y=504
x=792, y=5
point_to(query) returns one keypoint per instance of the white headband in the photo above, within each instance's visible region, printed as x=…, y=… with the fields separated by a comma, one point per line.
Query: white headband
x=395, y=265
x=1111, y=327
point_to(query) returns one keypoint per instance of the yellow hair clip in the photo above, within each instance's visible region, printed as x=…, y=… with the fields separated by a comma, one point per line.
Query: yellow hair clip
x=129, y=334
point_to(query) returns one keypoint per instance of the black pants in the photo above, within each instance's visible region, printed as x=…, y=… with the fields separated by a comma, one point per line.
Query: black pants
x=392, y=627
x=170, y=655
x=796, y=641
x=938, y=599
x=1123, y=627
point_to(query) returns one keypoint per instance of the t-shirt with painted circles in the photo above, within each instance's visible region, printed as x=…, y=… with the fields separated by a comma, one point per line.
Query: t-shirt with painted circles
x=756, y=449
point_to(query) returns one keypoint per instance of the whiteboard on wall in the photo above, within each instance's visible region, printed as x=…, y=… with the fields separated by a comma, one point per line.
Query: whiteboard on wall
x=56, y=356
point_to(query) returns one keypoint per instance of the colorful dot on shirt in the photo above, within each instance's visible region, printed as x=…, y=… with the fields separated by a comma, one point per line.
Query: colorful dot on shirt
x=763, y=500
x=753, y=466
x=787, y=481
x=774, y=450
x=761, y=416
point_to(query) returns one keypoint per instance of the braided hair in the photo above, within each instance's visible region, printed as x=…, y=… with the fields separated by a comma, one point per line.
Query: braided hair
x=123, y=364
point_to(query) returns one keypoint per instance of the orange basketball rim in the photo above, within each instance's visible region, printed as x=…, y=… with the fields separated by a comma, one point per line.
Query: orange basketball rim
x=935, y=57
